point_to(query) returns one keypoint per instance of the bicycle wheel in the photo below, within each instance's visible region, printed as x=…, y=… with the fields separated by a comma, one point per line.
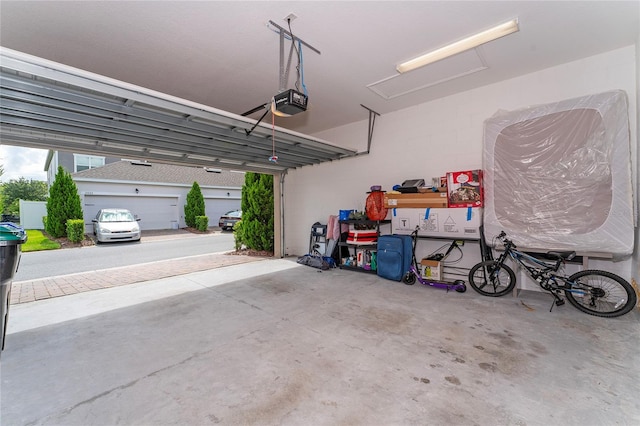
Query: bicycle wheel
x=600, y=293
x=489, y=278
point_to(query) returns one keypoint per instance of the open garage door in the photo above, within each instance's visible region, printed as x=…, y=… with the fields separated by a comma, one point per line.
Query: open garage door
x=155, y=212
x=48, y=105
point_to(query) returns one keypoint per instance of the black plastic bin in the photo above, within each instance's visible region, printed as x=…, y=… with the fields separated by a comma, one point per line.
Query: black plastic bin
x=11, y=237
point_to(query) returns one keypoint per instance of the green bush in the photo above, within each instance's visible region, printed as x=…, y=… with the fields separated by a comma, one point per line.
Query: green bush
x=63, y=204
x=255, y=231
x=237, y=235
x=202, y=223
x=194, y=206
x=44, y=222
x=75, y=230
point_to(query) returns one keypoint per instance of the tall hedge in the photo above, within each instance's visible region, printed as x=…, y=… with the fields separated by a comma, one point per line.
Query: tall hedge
x=194, y=206
x=255, y=230
x=63, y=204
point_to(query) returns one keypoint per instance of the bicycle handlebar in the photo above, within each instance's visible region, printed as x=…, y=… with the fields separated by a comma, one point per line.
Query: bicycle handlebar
x=507, y=242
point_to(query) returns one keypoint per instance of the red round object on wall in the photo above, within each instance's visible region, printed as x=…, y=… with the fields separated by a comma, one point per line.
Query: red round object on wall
x=375, y=206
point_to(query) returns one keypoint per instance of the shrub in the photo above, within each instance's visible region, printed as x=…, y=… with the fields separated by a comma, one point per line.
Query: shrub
x=237, y=235
x=256, y=228
x=75, y=230
x=44, y=222
x=194, y=206
x=202, y=223
x=63, y=204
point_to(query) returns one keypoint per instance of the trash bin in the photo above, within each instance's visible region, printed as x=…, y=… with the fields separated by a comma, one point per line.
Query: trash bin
x=11, y=236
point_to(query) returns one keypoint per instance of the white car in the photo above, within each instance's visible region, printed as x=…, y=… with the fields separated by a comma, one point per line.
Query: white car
x=116, y=225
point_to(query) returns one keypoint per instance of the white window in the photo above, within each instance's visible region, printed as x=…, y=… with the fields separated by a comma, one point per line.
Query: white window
x=84, y=162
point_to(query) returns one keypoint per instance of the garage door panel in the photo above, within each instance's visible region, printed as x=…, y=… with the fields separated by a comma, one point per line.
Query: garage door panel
x=153, y=212
x=214, y=208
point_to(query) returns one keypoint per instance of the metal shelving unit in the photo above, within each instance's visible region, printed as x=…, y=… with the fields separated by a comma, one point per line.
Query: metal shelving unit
x=372, y=247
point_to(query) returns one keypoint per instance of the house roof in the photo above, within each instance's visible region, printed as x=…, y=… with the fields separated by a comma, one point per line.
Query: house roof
x=135, y=171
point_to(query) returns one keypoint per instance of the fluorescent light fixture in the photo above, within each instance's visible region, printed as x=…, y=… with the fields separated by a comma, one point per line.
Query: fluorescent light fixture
x=460, y=46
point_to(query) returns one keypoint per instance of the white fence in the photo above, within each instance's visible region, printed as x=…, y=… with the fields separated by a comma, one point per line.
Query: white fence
x=31, y=214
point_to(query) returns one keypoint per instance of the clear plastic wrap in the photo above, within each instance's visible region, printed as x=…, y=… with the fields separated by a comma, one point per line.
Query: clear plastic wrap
x=558, y=176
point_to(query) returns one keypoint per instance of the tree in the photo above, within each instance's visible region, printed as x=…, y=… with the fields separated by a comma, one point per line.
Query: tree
x=21, y=189
x=255, y=230
x=63, y=204
x=194, y=206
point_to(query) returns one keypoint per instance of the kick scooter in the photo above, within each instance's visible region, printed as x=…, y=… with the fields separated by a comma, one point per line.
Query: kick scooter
x=414, y=271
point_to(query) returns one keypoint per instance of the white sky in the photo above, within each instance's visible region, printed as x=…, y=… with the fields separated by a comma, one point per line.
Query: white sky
x=20, y=162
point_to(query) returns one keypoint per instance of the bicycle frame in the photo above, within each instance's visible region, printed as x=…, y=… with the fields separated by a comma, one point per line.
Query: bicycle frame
x=525, y=260
x=543, y=272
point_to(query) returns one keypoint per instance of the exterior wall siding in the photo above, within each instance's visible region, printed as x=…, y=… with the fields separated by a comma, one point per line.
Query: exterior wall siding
x=66, y=160
x=218, y=200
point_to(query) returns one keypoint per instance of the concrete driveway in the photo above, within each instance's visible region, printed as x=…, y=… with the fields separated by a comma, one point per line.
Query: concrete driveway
x=272, y=342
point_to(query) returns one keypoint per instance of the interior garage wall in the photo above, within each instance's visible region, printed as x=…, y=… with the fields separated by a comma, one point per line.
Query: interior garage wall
x=444, y=135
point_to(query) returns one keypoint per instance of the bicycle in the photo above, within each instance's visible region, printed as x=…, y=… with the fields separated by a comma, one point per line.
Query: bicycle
x=413, y=273
x=594, y=292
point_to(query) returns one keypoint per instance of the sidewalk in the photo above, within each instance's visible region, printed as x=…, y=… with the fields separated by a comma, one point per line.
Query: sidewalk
x=63, y=285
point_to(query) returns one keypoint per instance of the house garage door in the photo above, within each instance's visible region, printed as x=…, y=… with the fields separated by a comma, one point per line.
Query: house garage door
x=154, y=212
x=216, y=207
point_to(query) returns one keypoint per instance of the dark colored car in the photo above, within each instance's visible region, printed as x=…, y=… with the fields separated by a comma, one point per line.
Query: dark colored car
x=229, y=219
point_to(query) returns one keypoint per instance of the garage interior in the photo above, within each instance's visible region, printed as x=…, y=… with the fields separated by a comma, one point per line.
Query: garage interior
x=288, y=344
x=274, y=342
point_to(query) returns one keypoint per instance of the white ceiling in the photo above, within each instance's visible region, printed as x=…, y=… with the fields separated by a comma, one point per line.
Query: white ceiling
x=222, y=54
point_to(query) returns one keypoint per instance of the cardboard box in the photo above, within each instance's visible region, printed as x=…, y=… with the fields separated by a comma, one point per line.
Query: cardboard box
x=465, y=189
x=447, y=223
x=429, y=190
x=416, y=200
x=431, y=269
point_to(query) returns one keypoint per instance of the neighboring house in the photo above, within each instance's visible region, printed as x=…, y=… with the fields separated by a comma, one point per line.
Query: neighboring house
x=156, y=193
x=73, y=163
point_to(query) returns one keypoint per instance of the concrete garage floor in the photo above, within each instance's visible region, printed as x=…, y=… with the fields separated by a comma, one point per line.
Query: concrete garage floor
x=272, y=342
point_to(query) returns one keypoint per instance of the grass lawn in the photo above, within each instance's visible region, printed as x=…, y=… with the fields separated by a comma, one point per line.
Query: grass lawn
x=36, y=241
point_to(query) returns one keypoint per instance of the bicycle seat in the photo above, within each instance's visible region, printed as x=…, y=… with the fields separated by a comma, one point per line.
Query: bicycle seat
x=566, y=255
